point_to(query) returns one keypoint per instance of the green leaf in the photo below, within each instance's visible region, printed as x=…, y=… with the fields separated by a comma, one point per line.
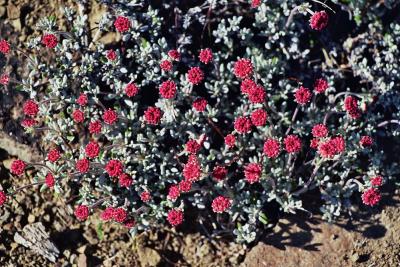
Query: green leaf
x=99, y=231
x=263, y=218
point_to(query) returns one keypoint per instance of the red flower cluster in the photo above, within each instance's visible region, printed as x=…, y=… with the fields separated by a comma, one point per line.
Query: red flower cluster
x=351, y=106
x=119, y=215
x=192, y=146
x=82, y=100
x=82, y=165
x=3, y=198
x=247, y=85
x=131, y=89
x=376, y=181
x=319, y=130
x=185, y=185
x=78, y=116
x=175, y=217
x=366, y=141
x=107, y=214
x=219, y=173
x=122, y=24
x=168, y=89
x=195, y=75
x=242, y=125
x=173, y=192
x=30, y=108
x=192, y=170
x=145, y=196
x=174, y=54
x=320, y=86
x=292, y=143
x=230, y=140
x=166, y=65
x=4, y=47
x=255, y=3
x=18, y=167
x=252, y=172
x=110, y=116
x=371, y=197
x=221, y=204
x=259, y=117
x=332, y=147
x=200, y=104
x=26, y=123
x=53, y=155
x=243, y=68
x=95, y=127
x=4, y=79
x=92, y=149
x=257, y=94
x=272, y=148
x=125, y=180
x=49, y=180
x=206, y=55
x=114, y=168
x=111, y=55
x=302, y=95
x=82, y=212
x=319, y=20
x=152, y=115
x=49, y=40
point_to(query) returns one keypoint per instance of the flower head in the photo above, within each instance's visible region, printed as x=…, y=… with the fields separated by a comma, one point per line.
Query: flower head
x=376, y=181
x=168, y=89
x=257, y=94
x=173, y=192
x=302, y=95
x=81, y=212
x=200, y=104
x=272, y=148
x=28, y=122
x=259, y=117
x=175, y=217
x=219, y=173
x=166, y=65
x=49, y=40
x=206, y=55
x=119, y=215
x=320, y=86
x=255, y=3
x=192, y=146
x=107, y=214
x=92, y=149
x=195, y=75
x=4, y=79
x=131, y=89
x=351, y=106
x=371, y=197
x=174, y=54
x=153, y=115
x=110, y=116
x=242, y=125
x=78, y=116
x=292, y=143
x=319, y=130
x=319, y=20
x=230, y=140
x=192, y=170
x=125, y=180
x=82, y=100
x=18, y=167
x=221, y=204
x=145, y=196
x=185, y=185
x=252, y=172
x=3, y=198
x=114, y=168
x=4, y=47
x=53, y=155
x=366, y=141
x=95, y=127
x=111, y=55
x=30, y=108
x=243, y=68
x=122, y=24
x=247, y=85
x=49, y=180
x=82, y=165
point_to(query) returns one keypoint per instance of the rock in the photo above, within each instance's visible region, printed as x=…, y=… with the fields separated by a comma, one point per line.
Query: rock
x=148, y=257
x=82, y=260
x=82, y=249
x=2, y=11
x=31, y=218
x=35, y=237
x=23, y=152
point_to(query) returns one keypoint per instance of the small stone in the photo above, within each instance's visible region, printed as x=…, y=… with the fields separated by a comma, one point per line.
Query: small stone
x=355, y=257
x=82, y=249
x=31, y=218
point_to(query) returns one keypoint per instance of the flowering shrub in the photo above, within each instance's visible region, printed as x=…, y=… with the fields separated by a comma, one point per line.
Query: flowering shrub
x=155, y=127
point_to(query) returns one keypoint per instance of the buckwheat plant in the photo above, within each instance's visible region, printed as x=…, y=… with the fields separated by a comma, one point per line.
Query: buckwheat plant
x=217, y=111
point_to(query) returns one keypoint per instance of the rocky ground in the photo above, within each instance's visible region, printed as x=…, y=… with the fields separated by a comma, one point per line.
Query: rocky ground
x=371, y=239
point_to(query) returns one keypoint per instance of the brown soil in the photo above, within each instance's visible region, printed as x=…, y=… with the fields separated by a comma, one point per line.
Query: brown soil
x=295, y=241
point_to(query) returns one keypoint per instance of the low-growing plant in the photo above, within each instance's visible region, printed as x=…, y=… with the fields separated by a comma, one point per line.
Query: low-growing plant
x=218, y=112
